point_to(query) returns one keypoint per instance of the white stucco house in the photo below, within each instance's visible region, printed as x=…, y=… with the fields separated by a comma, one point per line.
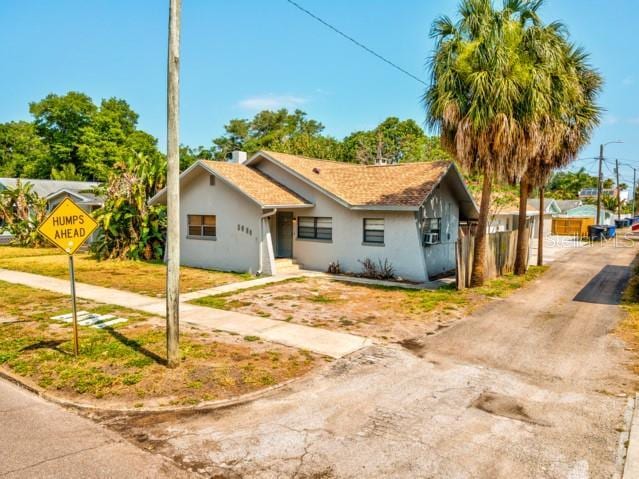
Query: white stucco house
x=247, y=214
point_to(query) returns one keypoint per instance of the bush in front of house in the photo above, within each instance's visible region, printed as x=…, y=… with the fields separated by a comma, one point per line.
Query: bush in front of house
x=128, y=226
x=334, y=268
x=22, y=211
x=377, y=270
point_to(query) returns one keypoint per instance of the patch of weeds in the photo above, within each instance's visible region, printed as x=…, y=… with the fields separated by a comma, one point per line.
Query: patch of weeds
x=322, y=298
x=251, y=338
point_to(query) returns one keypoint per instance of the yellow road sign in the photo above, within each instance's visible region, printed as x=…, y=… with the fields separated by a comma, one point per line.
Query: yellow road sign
x=68, y=226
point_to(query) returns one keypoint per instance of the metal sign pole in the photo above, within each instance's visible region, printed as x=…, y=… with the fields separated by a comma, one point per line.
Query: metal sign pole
x=75, y=312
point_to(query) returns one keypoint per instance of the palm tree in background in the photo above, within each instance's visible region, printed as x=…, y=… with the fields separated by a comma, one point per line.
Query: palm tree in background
x=479, y=74
x=566, y=128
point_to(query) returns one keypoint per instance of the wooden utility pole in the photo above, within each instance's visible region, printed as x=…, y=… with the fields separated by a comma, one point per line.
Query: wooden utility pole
x=597, y=220
x=618, y=192
x=540, y=231
x=173, y=188
x=634, y=191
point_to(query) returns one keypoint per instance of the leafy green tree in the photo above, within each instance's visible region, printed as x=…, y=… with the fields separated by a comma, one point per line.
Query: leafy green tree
x=189, y=155
x=128, y=226
x=565, y=185
x=60, y=121
x=22, y=152
x=392, y=141
x=67, y=172
x=274, y=130
x=110, y=137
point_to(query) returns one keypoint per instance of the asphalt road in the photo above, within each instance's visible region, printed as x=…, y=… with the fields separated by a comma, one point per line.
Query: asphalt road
x=532, y=386
x=41, y=440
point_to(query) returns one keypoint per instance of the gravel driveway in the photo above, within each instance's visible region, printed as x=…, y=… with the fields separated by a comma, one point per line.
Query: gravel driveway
x=532, y=386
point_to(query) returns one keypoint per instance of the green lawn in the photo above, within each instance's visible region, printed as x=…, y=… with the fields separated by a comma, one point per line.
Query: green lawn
x=137, y=276
x=125, y=363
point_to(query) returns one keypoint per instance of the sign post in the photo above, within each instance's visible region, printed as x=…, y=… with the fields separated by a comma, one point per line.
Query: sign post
x=68, y=226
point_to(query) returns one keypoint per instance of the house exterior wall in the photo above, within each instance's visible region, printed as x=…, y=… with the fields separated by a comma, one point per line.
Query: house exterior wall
x=440, y=258
x=233, y=249
x=401, y=239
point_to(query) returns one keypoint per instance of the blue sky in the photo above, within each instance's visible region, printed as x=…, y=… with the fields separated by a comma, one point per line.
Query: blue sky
x=241, y=56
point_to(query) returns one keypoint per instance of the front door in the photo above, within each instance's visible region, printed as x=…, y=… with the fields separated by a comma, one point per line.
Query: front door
x=284, y=235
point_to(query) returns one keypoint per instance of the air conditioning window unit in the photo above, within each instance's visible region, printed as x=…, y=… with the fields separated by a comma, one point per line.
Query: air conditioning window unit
x=431, y=238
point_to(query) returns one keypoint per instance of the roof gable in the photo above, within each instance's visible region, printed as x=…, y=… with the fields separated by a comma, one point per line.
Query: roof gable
x=257, y=186
x=403, y=186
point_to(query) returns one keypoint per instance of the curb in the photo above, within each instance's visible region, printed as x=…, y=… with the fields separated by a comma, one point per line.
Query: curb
x=202, y=407
x=631, y=466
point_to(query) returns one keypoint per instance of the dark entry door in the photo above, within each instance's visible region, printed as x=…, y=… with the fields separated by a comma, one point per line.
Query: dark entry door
x=284, y=235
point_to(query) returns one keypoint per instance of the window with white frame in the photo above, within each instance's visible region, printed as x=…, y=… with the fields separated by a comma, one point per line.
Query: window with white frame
x=202, y=226
x=314, y=227
x=374, y=230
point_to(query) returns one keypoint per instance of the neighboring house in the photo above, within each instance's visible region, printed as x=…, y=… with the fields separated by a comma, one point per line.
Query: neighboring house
x=592, y=193
x=506, y=218
x=590, y=211
x=565, y=205
x=242, y=215
x=54, y=191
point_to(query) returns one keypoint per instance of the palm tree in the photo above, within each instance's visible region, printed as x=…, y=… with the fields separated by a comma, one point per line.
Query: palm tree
x=572, y=117
x=478, y=77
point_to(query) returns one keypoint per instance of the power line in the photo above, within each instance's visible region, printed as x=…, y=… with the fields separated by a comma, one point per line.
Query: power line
x=359, y=44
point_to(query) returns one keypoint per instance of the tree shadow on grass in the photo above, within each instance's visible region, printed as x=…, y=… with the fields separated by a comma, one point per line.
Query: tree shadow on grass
x=135, y=345
x=49, y=344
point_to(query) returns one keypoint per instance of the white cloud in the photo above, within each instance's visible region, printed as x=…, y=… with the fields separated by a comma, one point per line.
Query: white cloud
x=610, y=120
x=634, y=120
x=271, y=102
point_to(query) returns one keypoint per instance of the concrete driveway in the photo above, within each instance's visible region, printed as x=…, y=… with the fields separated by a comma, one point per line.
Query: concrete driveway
x=532, y=386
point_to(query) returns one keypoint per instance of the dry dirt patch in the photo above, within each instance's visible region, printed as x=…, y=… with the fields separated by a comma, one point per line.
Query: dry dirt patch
x=124, y=365
x=387, y=314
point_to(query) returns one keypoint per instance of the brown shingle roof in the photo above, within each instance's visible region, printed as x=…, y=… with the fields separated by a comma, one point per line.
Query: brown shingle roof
x=255, y=184
x=406, y=184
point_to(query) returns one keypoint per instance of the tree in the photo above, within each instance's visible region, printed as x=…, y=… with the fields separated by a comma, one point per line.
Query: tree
x=111, y=136
x=565, y=185
x=60, y=121
x=279, y=131
x=128, y=226
x=576, y=114
x=66, y=172
x=478, y=76
x=22, y=152
x=392, y=141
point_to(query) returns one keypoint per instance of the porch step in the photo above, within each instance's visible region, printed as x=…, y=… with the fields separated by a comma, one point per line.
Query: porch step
x=287, y=266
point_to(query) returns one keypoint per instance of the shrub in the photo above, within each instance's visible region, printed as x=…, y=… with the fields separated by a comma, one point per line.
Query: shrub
x=129, y=226
x=334, y=268
x=380, y=270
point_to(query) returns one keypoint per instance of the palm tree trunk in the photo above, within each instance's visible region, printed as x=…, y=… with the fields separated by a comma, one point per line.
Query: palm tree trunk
x=540, y=231
x=172, y=188
x=479, y=254
x=522, y=230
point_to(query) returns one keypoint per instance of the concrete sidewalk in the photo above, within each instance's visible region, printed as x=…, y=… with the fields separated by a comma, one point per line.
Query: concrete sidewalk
x=43, y=440
x=329, y=343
